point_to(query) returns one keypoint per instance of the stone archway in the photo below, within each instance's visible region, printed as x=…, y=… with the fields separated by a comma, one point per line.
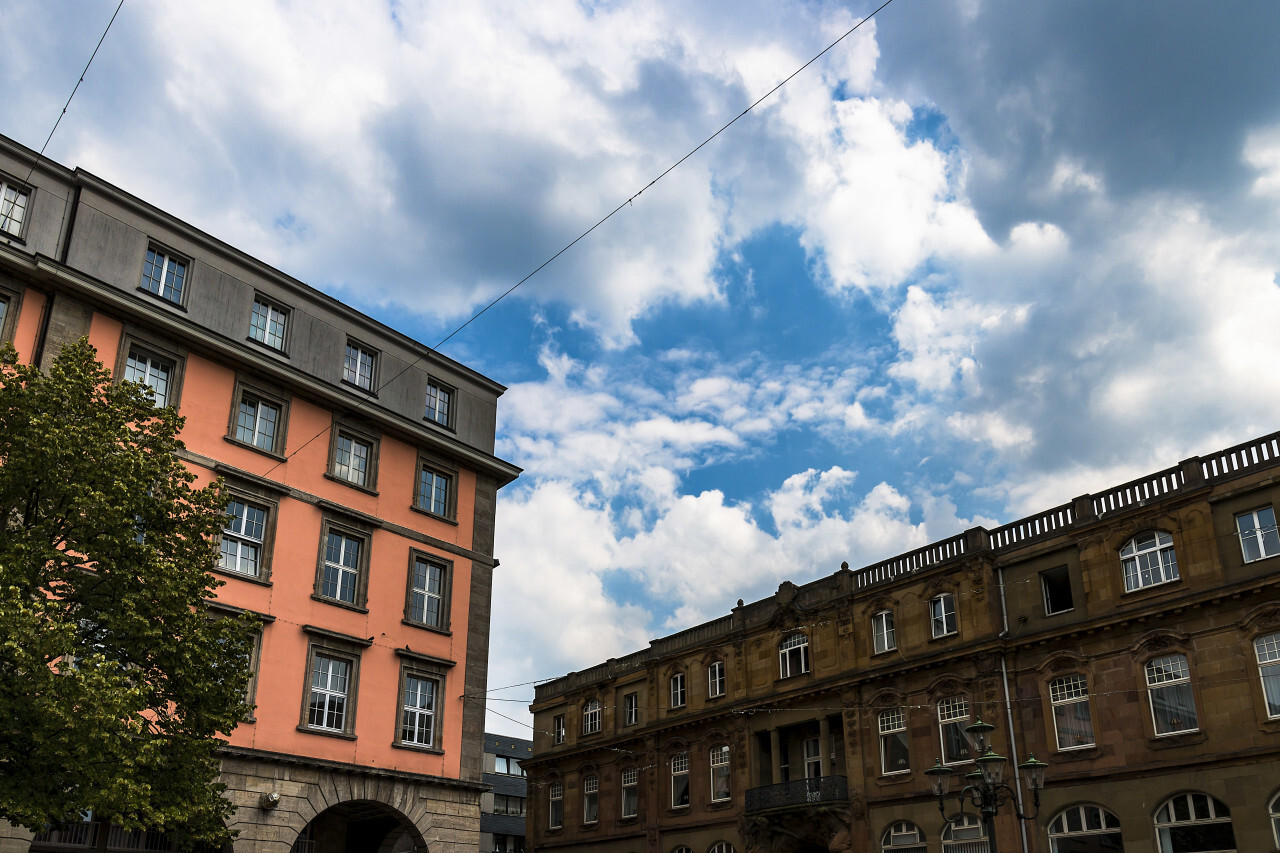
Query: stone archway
x=360, y=826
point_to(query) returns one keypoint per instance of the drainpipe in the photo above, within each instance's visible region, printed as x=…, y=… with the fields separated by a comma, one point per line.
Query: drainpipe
x=1008, y=710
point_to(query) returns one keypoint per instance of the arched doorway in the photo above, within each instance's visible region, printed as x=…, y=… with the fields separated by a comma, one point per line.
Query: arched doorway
x=360, y=826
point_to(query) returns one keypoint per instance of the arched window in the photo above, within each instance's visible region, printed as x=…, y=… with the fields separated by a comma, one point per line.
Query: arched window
x=1274, y=808
x=1148, y=560
x=681, y=849
x=1194, y=823
x=1268, y=651
x=591, y=717
x=590, y=799
x=964, y=834
x=555, y=800
x=793, y=655
x=1084, y=829
x=902, y=837
x=721, y=847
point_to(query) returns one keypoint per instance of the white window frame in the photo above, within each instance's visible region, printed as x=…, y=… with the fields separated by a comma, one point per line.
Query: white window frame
x=883, y=632
x=432, y=590
x=590, y=799
x=631, y=709
x=1273, y=810
x=13, y=197
x=356, y=359
x=678, y=692
x=591, y=716
x=1067, y=695
x=555, y=804
x=1148, y=560
x=954, y=711
x=1266, y=650
x=268, y=323
x=418, y=710
x=348, y=567
x=243, y=536
x=630, y=792
x=1170, y=674
x=171, y=286
x=254, y=434
x=720, y=772
x=793, y=655
x=346, y=459
x=142, y=365
x=1166, y=819
x=892, y=723
x=435, y=491
x=558, y=729
x=332, y=686
x=1260, y=536
x=813, y=758
x=715, y=679
x=902, y=836
x=439, y=407
x=965, y=832
x=942, y=615
x=1092, y=820
x=680, y=780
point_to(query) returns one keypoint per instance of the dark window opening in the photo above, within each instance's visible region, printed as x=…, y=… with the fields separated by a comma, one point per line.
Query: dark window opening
x=1056, y=584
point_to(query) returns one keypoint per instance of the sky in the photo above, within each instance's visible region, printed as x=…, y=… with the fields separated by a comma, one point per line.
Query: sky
x=982, y=257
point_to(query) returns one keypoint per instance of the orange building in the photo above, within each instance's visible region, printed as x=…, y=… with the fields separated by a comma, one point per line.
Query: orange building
x=363, y=485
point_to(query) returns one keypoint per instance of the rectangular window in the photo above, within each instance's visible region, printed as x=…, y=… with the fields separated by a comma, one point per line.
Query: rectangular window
x=1072, y=719
x=1055, y=586
x=953, y=716
x=1149, y=559
x=358, y=366
x=793, y=656
x=895, y=755
x=631, y=709
x=590, y=799
x=555, y=796
x=427, y=583
x=942, y=615
x=812, y=758
x=630, y=792
x=150, y=370
x=418, y=710
x=258, y=423
x=164, y=275
x=434, y=491
x=557, y=735
x=242, y=538
x=508, y=805
x=719, y=773
x=507, y=766
x=883, y=636
x=13, y=207
x=679, y=780
x=715, y=679
x=267, y=323
x=1173, y=705
x=1268, y=651
x=439, y=407
x=1258, y=536
x=330, y=680
x=342, y=572
x=677, y=690
x=352, y=459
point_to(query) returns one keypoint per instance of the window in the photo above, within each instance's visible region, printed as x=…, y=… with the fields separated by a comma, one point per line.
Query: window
x=439, y=403
x=590, y=799
x=1268, y=651
x=507, y=766
x=895, y=757
x=557, y=729
x=359, y=366
x=508, y=843
x=343, y=566
x=591, y=717
x=330, y=680
x=1194, y=823
x=163, y=275
x=150, y=370
x=352, y=459
x=1173, y=707
x=793, y=656
x=677, y=690
x=428, y=583
x=243, y=535
x=1148, y=559
x=1274, y=809
x=964, y=834
x=883, y=638
x=630, y=792
x=418, y=710
x=903, y=837
x=679, y=780
x=555, y=794
x=942, y=615
x=953, y=716
x=434, y=491
x=508, y=805
x=631, y=709
x=719, y=773
x=259, y=422
x=1081, y=829
x=1055, y=586
x=715, y=679
x=721, y=847
x=812, y=758
x=1072, y=720
x=13, y=207
x=267, y=323
x=1258, y=537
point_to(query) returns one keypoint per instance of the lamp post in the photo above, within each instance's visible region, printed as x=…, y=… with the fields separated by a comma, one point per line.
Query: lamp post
x=986, y=788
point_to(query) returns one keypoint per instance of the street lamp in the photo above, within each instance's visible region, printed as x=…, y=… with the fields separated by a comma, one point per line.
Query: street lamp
x=986, y=788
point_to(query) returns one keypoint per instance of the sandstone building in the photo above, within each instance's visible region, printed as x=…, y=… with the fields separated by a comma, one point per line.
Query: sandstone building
x=1130, y=638
x=364, y=483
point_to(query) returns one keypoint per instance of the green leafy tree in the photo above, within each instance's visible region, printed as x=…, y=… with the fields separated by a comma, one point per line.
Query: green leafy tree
x=116, y=678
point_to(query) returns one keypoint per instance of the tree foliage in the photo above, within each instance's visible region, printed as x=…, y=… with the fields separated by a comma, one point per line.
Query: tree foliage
x=116, y=677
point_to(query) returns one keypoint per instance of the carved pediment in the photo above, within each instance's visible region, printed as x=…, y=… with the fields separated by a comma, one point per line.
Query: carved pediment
x=1063, y=661
x=1262, y=619
x=1160, y=640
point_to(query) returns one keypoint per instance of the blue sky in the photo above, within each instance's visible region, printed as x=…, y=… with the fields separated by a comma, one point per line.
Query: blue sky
x=980, y=259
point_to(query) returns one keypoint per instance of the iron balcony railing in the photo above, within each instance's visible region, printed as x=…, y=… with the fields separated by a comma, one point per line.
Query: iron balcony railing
x=800, y=792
